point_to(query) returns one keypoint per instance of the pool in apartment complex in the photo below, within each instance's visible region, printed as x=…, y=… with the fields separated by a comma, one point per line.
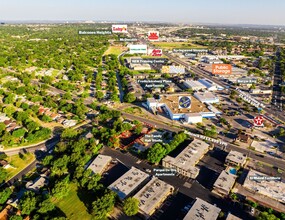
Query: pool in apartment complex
x=232, y=171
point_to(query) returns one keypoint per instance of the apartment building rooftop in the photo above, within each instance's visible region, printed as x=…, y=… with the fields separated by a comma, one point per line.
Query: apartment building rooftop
x=224, y=183
x=152, y=195
x=202, y=210
x=99, y=163
x=189, y=157
x=127, y=183
x=235, y=157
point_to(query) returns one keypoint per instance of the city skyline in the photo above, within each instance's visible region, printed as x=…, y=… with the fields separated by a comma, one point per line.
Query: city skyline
x=217, y=12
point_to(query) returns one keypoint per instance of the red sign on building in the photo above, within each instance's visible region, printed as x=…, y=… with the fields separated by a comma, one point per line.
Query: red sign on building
x=153, y=35
x=155, y=52
x=258, y=121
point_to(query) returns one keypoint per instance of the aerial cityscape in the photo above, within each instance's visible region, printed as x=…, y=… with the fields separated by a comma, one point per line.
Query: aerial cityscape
x=133, y=116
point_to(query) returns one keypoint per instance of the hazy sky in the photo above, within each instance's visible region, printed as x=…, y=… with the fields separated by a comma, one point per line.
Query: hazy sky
x=187, y=11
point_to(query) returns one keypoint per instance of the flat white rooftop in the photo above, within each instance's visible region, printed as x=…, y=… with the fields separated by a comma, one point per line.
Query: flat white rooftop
x=99, y=163
x=127, y=183
x=190, y=156
x=152, y=194
x=225, y=181
x=204, y=96
x=202, y=210
x=236, y=157
x=194, y=84
x=265, y=185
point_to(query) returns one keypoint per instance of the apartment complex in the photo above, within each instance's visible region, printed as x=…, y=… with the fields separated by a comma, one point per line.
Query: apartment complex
x=129, y=182
x=152, y=195
x=185, y=162
x=202, y=210
x=236, y=158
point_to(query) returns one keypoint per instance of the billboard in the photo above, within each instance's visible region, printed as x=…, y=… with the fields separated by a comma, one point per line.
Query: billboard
x=246, y=80
x=153, y=36
x=119, y=28
x=141, y=48
x=155, y=52
x=222, y=69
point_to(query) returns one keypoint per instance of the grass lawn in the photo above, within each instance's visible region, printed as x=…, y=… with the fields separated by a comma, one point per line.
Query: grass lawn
x=72, y=206
x=171, y=45
x=18, y=163
x=133, y=110
x=117, y=50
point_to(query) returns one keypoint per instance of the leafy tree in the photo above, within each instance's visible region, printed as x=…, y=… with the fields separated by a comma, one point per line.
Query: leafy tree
x=59, y=166
x=3, y=174
x=16, y=217
x=28, y=203
x=32, y=126
x=10, y=99
x=22, y=116
x=156, y=153
x=46, y=118
x=46, y=206
x=99, y=95
x=2, y=127
x=267, y=216
x=129, y=97
x=103, y=205
x=47, y=160
x=19, y=133
x=69, y=133
x=131, y=206
x=61, y=188
x=24, y=106
x=4, y=195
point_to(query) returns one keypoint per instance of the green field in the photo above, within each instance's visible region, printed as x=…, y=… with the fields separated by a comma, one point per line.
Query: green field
x=18, y=163
x=172, y=45
x=116, y=50
x=73, y=207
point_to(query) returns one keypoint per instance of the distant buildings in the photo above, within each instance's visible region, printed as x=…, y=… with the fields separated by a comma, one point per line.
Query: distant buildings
x=129, y=182
x=100, y=163
x=152, y=195
x=185, y=162
x=236, y=158
x=202, y=210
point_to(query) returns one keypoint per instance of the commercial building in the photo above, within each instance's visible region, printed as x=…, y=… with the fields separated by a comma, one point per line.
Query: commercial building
x=210, y=85
x=170, y=104
x=206, y=97
x=194, y=85
x=224, y=183
x=185, y=162
x=259, y=91
x=100, y=163
x=129, y=182
x=272, y=187
x=152, y=195
x=236, y=158
x=202, y=210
